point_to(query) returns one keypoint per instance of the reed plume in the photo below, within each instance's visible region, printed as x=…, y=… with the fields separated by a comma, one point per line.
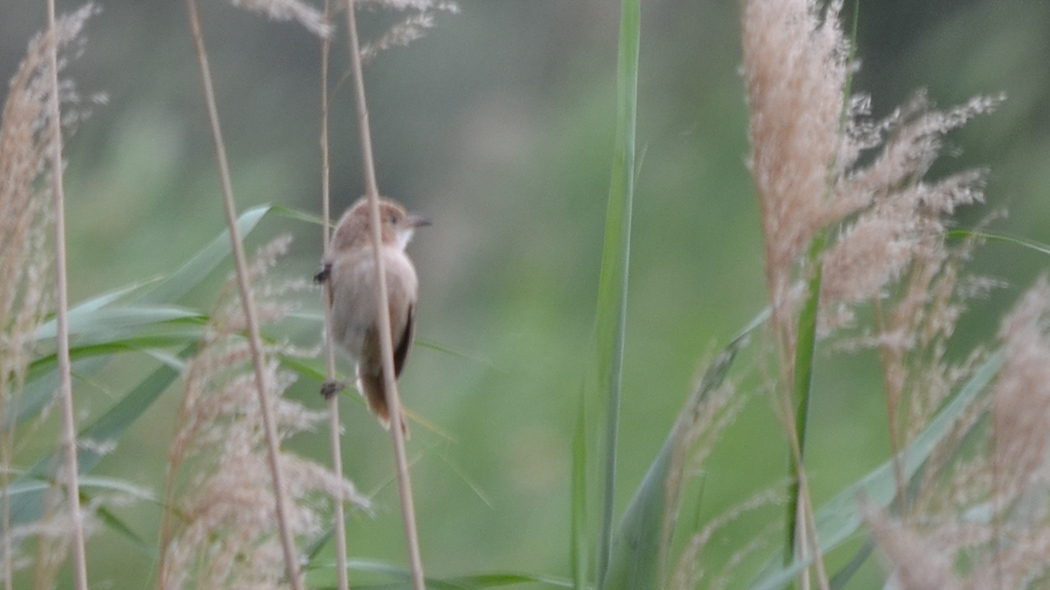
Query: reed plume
x=220, y=530
x=29, y=126
x=850, y=219
x=982, y=521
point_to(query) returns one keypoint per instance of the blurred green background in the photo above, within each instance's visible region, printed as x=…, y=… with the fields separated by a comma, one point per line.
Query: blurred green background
x=498, y=125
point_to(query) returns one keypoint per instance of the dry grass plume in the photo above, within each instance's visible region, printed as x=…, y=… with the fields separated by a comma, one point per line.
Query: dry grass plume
x=26, y=255
x=220, y=530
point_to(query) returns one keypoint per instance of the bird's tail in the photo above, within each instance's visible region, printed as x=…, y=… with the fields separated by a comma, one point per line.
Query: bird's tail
x=373, y=387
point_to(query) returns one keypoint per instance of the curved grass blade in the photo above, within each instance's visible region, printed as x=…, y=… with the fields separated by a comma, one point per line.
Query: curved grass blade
x=309, y=368
x=94, y=322
x=42, y=379
x=109, y=518
x=297, y=214
x=434, y=345
x=143, y=343
x=40, y=390
x=29, y=486
x=844, y=575
x=204, y=262
x=101, y=301
x=115, y=524
x=402, y=577
x=841, y=517
x=89, y=356
x=994, y=237
x=109, y=323
x=111, y=425
x=35, y=487
x=28, y=507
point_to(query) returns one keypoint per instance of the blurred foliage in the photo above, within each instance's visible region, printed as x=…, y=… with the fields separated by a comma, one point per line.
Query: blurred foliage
x=499, y=126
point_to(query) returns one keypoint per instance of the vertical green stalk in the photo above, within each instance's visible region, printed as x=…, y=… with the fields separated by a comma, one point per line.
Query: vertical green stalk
x=612, y=289
x=807, y=330
x=807, y=336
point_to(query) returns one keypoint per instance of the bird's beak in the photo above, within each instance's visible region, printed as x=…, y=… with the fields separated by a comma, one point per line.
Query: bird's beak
x=417, y=221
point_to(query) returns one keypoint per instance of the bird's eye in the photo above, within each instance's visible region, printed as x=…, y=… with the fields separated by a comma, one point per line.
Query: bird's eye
x=393, y=219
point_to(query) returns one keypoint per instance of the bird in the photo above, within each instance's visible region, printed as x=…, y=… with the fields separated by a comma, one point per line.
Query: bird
x=349, y=269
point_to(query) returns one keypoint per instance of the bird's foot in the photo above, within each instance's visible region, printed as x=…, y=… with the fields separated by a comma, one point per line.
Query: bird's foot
x=326, y=271
x=330, y=388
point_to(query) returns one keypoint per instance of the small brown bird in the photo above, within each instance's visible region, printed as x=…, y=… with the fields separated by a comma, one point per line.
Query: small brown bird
x=350, y=269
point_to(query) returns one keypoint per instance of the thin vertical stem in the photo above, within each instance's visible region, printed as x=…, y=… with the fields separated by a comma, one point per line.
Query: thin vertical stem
x=385, y=339
x=367, y=157
x=337, y=467
x=333, y=398
x=251, y=318
x=65, y=385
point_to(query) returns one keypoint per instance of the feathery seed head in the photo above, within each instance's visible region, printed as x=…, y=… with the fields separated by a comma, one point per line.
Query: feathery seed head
x=226, y=536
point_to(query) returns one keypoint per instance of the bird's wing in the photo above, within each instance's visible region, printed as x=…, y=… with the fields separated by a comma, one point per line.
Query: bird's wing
x=405, y=341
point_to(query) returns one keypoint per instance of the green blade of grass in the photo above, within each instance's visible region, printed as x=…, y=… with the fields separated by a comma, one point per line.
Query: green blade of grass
x=844, y=575
x=91, y=487
x=39, y=391
x=466, y=582
x=309, y=368
x=111, y=425
x=29, y=507
x=612, y=287
x=109, y=323
x=841, y=517
x=109, y=485
x=102, y=329
x=144, y=343
x=28, y=493
x=203, y=263
x=807, y=340
x=994, y=237
x=807, y=328
x=98, y=326
x=87, y=358
x=297, y=215
x=101, y=301
x=118, y=526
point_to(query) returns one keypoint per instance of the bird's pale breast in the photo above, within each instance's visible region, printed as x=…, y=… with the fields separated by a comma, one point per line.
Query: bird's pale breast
x=354, y=310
